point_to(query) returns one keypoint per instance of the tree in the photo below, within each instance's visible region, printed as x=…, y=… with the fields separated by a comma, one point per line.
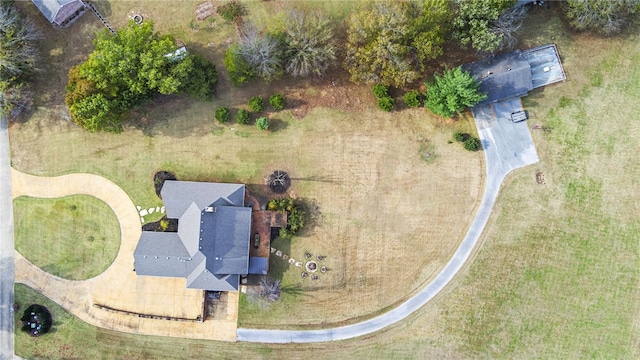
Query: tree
x=474, y=24
x=389, y=42
x=309, y=41
x=452, y=92
x=262, y=123
x=238, y=68
x=232, y=11
x=606, y=17
x=18, y=58
x=263, y=53
x=131, y=67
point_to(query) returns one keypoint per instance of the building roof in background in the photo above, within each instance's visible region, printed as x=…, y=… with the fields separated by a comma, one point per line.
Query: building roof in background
x=58, y=11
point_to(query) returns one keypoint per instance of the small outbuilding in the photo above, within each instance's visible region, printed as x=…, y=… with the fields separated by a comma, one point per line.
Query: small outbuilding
x=61, y=13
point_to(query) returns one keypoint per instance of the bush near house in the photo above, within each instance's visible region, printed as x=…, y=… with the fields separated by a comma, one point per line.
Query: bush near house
x=295, y=215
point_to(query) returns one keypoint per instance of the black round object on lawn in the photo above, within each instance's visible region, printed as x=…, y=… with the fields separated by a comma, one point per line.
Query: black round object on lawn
x=279, y=182
x=36, y=320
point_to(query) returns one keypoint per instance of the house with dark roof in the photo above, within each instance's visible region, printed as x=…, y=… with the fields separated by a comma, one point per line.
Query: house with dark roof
x=61, y=13
x=213, y=246
x=514, y=74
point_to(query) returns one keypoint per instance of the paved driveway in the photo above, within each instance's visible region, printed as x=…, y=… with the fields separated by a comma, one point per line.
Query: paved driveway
x=119, y=287
x=507, y=146
x=6, y=246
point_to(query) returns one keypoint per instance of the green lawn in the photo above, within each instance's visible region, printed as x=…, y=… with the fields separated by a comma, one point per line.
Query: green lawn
x=74, y=237
x=558, y=273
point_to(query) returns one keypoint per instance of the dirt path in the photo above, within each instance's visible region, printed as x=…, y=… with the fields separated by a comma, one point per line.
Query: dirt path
x=118, y=287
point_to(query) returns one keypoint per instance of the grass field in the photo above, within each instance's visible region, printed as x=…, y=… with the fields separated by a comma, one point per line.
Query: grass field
x=556, y=275
x=359, y=169
x=74, y=237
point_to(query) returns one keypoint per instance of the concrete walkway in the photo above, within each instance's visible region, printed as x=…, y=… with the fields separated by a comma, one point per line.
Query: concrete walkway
x=507, y=146
x=119, y=287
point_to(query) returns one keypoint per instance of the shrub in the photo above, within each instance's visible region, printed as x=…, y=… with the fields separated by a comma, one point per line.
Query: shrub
x=243, y=117
x=262, y=123
x=223, y=114
x=164, y=225
x=412, y=98
x=472, y=144
x=256, y=104
x=380, y=91
x=232, y=11
x=277, y=101
x=385, y=103
x=460, y=136
x=295, y=215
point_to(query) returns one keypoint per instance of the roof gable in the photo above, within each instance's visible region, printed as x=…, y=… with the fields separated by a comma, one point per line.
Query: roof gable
x=189, y=229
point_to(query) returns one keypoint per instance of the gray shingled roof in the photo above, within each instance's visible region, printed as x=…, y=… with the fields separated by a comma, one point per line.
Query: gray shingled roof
x=178, y=195
x=502, y=76
x=211, y=247
x=57, y=11
x=225, y=239
x=258, y=265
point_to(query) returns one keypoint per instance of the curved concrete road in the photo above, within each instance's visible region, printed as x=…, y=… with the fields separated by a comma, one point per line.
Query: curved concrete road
x=507, y=146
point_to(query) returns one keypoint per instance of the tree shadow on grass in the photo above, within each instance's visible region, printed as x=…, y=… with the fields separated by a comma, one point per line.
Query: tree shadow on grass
x=277, y=125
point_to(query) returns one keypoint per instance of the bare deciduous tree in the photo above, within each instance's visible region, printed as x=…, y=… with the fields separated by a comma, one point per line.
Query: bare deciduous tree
x=309, y=37
x=18, y=57
x=262, y=52
x=606, y=17
x=507, y=24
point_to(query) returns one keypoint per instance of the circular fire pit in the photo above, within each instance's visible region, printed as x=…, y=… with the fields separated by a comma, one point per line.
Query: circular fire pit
x=311, y=266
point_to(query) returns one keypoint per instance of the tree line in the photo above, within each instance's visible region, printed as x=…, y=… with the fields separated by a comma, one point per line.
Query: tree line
x=386, y=42
x=389, y=42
